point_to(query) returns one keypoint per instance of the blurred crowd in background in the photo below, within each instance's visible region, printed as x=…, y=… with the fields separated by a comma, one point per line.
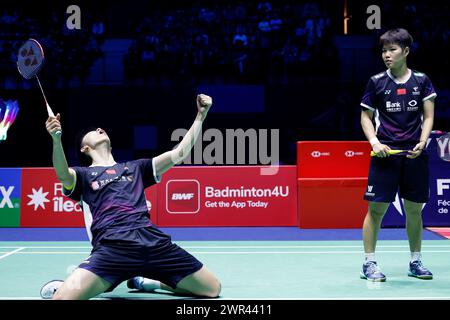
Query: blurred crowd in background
x=133, y=51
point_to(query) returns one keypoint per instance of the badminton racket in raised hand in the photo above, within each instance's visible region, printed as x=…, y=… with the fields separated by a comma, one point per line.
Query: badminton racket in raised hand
x=30, y=59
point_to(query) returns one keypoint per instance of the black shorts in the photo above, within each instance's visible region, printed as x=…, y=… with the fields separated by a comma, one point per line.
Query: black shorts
x=409, y=177
x=146, y=252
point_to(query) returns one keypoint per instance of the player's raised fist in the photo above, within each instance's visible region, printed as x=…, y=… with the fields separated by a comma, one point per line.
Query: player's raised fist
x=204, y=102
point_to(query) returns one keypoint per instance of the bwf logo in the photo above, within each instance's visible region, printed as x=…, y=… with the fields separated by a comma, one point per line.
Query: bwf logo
x=183, y=196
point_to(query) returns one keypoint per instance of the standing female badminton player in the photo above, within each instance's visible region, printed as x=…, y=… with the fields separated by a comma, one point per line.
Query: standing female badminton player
x=400, y=102
x=125, y=244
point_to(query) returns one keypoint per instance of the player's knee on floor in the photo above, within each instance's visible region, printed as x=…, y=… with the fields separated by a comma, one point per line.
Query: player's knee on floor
x=213, y=290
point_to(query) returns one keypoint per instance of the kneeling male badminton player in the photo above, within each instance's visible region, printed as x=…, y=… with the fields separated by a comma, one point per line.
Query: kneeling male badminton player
x=400, y=102
x=125, y=243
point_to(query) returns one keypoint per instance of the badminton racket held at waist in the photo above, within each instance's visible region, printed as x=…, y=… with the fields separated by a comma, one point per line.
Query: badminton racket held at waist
x=391, y=152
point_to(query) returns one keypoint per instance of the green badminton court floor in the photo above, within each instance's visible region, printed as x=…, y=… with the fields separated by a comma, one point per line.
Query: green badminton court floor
x=250, y=269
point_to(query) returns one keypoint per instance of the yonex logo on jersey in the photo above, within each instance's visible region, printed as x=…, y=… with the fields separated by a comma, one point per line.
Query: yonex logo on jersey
x=94, y=174
x=387, y=91
x=401, y=91
x=369, y=188
x=182, y=196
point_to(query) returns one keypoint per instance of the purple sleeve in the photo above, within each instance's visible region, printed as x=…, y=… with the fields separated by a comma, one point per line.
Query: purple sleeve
x=148, y=172
x=368, y=99
x=428, y=89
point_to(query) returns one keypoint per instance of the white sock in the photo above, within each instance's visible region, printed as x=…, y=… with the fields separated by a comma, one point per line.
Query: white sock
x=416, y=256
x=150, y=284
x=370, y=257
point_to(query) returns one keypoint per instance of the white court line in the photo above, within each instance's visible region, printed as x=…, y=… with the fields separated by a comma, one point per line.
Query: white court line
x=270, y=299
x=348, y=298
x=245, y=252
x=12, y=252
x=246, y=247
x=21, y=298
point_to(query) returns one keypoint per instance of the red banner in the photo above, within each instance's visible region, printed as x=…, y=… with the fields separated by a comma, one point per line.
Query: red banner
x=187, y=196
x=228, y=196
x=332, y=178
x=152, y=202
x=333, y=159
x=43, y=203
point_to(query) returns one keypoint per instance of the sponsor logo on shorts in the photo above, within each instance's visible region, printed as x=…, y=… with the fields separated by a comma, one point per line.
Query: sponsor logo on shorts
x=369, y=192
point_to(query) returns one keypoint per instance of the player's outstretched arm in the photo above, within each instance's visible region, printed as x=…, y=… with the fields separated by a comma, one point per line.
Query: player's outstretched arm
x=64, y=174
x=168, y=159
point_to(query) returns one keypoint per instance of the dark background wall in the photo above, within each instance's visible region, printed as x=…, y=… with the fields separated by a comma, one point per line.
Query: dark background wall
x=138, y=74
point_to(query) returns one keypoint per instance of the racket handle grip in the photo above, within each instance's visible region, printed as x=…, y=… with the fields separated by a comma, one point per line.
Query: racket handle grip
x=50, y=111
x=51, y=114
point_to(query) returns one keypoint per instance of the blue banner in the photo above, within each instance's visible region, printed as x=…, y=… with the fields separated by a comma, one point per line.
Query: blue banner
x=436, y=212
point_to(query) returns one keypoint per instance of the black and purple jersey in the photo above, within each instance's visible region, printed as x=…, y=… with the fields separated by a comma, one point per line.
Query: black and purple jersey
x=398, y=107
x=115, y=195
